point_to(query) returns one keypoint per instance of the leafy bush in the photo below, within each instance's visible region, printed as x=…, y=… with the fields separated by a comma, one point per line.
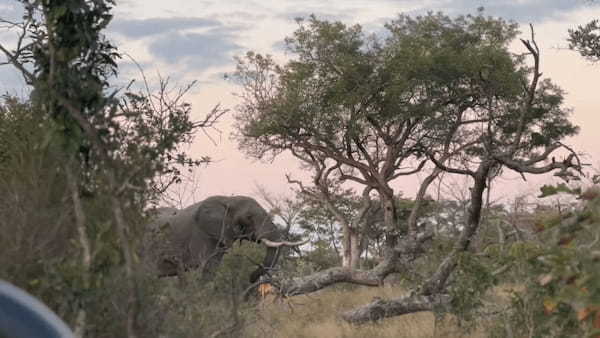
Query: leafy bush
x=561, y=295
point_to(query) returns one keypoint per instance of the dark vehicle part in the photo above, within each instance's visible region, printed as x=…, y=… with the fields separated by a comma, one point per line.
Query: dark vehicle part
x=24, y=316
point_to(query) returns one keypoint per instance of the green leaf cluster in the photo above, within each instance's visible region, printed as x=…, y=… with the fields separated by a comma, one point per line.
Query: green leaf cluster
x=585, y=39
x=562, y=283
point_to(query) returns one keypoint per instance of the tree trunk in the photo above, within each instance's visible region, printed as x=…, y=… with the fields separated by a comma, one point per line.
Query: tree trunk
x=364, y=247
x=438, y=280
x=432, y=294
x=389, y=219
x=133, y=302
x=355, y=249
x=412, y=219
x=346, y=246
x=351, y=248
x=86, y=251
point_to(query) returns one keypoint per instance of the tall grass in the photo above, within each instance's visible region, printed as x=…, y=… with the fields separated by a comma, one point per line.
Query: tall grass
x=317, y=315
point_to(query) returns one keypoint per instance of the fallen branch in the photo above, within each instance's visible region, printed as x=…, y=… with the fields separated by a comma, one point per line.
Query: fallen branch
x=380, y=308
x=396, y=260
x=323, y=279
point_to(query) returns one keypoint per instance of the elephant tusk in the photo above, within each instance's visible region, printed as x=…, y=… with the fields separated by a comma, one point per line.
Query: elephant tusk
x=273, y=244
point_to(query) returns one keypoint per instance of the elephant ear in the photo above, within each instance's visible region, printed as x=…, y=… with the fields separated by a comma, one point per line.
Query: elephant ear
x=213, y=215
x=247, y=224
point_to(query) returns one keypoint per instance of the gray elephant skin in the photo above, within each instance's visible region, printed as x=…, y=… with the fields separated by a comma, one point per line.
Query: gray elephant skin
x=198, y=236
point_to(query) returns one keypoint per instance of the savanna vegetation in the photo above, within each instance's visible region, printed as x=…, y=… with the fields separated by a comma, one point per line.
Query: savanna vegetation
x=83, y=165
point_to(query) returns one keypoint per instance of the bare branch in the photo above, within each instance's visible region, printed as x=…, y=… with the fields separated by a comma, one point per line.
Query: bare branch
x=410, y=172
x=524, y=167
x=449, y=169
x=531, y=89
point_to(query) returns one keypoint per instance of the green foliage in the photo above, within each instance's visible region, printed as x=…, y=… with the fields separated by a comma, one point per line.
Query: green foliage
x=71, y=61
x=78, y=167
x=473, y=279
x=148, y=144
x=562, y=282
x=39, y=250
x=195, y=306
x=345, y=88
x=137, y=134
x=321, y=257
x=69, y=54
x=549, y=190
x=319, y=222
x=239, y=262
x=586, y=40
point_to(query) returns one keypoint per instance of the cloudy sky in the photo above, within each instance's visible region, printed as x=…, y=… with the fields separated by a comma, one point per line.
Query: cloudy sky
x=197, y=40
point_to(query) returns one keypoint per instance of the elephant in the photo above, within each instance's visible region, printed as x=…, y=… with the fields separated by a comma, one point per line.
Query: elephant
x=198, y=236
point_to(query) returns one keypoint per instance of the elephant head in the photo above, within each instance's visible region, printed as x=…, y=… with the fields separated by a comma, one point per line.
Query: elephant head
x=200, y=234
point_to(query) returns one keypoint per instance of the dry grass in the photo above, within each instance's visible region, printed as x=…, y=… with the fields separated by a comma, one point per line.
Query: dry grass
x=316, y=315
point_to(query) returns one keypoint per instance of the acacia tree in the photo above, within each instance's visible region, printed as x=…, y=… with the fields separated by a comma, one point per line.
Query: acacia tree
x=370, y=110
x=353, y=108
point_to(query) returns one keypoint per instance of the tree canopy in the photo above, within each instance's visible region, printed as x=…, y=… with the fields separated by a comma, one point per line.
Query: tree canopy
x=364, y=103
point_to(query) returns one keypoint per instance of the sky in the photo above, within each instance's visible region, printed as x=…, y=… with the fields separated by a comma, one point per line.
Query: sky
x=198, y=40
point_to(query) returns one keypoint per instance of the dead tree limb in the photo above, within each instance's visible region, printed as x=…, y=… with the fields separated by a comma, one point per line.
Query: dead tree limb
x=396, y=260
x=380, y=308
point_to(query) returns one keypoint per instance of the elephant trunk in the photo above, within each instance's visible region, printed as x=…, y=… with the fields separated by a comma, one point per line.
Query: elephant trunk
x=268, y=263
x=270, y=234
